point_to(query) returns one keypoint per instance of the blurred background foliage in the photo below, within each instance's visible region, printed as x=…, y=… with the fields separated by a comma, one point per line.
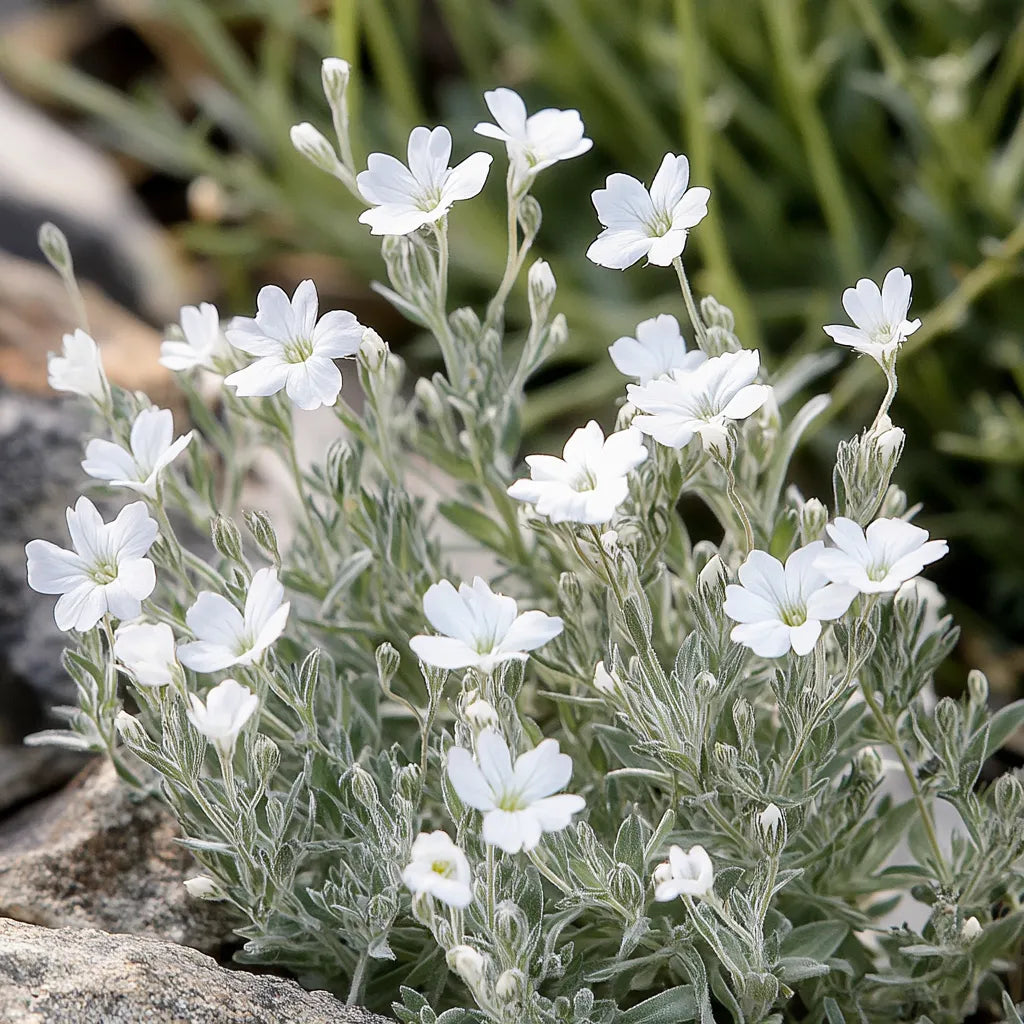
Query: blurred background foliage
x=839, y=138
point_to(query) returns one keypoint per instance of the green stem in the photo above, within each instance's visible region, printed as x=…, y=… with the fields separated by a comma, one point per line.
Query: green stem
x=357, y=979
x=490, y=887
x=734, y=499
x=513, y=258
x=893, y=737
x=699, y=330
x=306, y=503
x=890, y=391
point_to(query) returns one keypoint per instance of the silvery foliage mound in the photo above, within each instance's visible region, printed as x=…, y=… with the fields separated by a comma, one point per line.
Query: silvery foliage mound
x=649, y=784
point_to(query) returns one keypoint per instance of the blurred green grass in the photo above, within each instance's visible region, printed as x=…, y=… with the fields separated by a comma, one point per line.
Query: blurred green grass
x=839, y=137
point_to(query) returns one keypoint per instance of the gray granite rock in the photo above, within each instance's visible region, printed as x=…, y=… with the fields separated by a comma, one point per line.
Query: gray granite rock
x=94, y=855
x=70, y=976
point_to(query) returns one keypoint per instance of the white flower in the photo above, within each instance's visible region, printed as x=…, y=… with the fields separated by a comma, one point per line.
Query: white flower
x=479, y=629
x=639, y=223
x=769, y=824
x=229, y=705
x=204, y=342
x=403, y=198
x=151, y=451
x=146, y=650
x=296, y=351
x=684, y=874
x=105, y=572
x=517, y=802
x=782, y=608
x=880, y=316
x=78, y=368
x=700, y=401
x=440, y=868
x=880, y=559
x=589, y=482
x=535, y=141
x=224, y=636
x=657, y=349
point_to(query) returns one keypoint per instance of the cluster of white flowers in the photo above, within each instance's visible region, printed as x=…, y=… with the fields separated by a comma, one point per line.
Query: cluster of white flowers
x=488, y=764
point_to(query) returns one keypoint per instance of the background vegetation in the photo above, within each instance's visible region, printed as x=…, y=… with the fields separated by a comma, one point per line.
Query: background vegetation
x=839, y=138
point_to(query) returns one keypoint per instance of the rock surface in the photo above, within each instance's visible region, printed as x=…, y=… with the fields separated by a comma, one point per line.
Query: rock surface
x=94, y=855
x=70, y=976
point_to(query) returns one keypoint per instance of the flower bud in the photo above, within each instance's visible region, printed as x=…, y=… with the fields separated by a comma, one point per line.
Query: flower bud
x=610, y=541
x=603, y=679
x=227, y=538
x=977, y=687
x=313, y=145
x=266, y=758
x=1009, y=797
x=529, y=216
x=541, y=289
x=467, y=963
x=510, y=986
x=480, y=714
x=813, y=517
x=704, y=685
x=334, y=74
x=948, y=718
x=717, y=441
x=407, y=781
x=888, y=440
x=662, y=873
x=971, y=930
x=869, y=764
x=624, y=417
x=263, y=532
x=364, y=789
x=771, y=826
x=373, y=352
x=570, y=590
x=718, y=341
x=388, y=660
x=711, y=579
x=206, y=200
x=894, y=503
x=54, y=246
x=715, y=314
x=743, y=720
x=558, y=333
x=202, y=887
x=131, y=730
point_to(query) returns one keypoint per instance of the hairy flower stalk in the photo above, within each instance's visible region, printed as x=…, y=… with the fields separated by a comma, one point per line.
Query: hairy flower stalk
x=622, y=774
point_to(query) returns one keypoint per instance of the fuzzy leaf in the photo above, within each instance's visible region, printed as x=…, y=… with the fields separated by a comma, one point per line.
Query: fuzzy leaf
x=670, y=1007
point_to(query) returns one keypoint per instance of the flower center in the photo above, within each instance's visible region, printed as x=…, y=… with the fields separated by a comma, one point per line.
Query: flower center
x=586, y=480
x=512, y=801
x=298, y=350
x=104, y=573
x=429, y=199
x=444, y=868
x=659, y=224
x=793, y=614
x=877, y=573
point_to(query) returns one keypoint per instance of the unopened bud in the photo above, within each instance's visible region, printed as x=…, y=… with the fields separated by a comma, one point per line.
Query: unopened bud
x=529, y=216
x=313, y=145
x=704, y=684
x=977, y=687
x=712, y=577
x=570, y=590
x=717, y=441
x=334, y=74
x=202, y=887
x=610, y=541
x=715, y=314
x=603, y=679
x=771, y=826
x=480, y=714
x=373, y=352
x=266, y=758
x=467, y=963
x=894, y=504
x=869, y=764
x=540, y=290
x=227, y=538
x=971, y=930
x=131, y=730
x=206, y=200
x=510, y=986
x=54, y=246
x=1009, y=797
x=388, y=660
x=263, y=532
x=813, y=517
x=948, y=718
x=364, y=789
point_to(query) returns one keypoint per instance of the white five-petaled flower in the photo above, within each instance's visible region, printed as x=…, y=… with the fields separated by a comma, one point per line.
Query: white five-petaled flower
x=479, y=629
x=146, y=650
x=517, y=801
x=880, y=316
x=229, y=705
x=204, y=340
x=878, y=560
x=589, y=482
x=658, y=349
x=438, y=867
x=296, y=350
x=700, y=401
x=781, y=608
x=78, y=368
x=535, y=141
x=405, y=198
x=654, y=223
x=225, y=636
x=684, y=874
x=139, y=466
x=106, y=571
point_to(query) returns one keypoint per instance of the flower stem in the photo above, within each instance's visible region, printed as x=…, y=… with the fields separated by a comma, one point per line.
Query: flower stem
x=513, y=258
x=442, y=329
x=306, y=502
x=357, y=979
x=891, y=734
x=734, y=498
x=889, y=367
x=699, y=329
